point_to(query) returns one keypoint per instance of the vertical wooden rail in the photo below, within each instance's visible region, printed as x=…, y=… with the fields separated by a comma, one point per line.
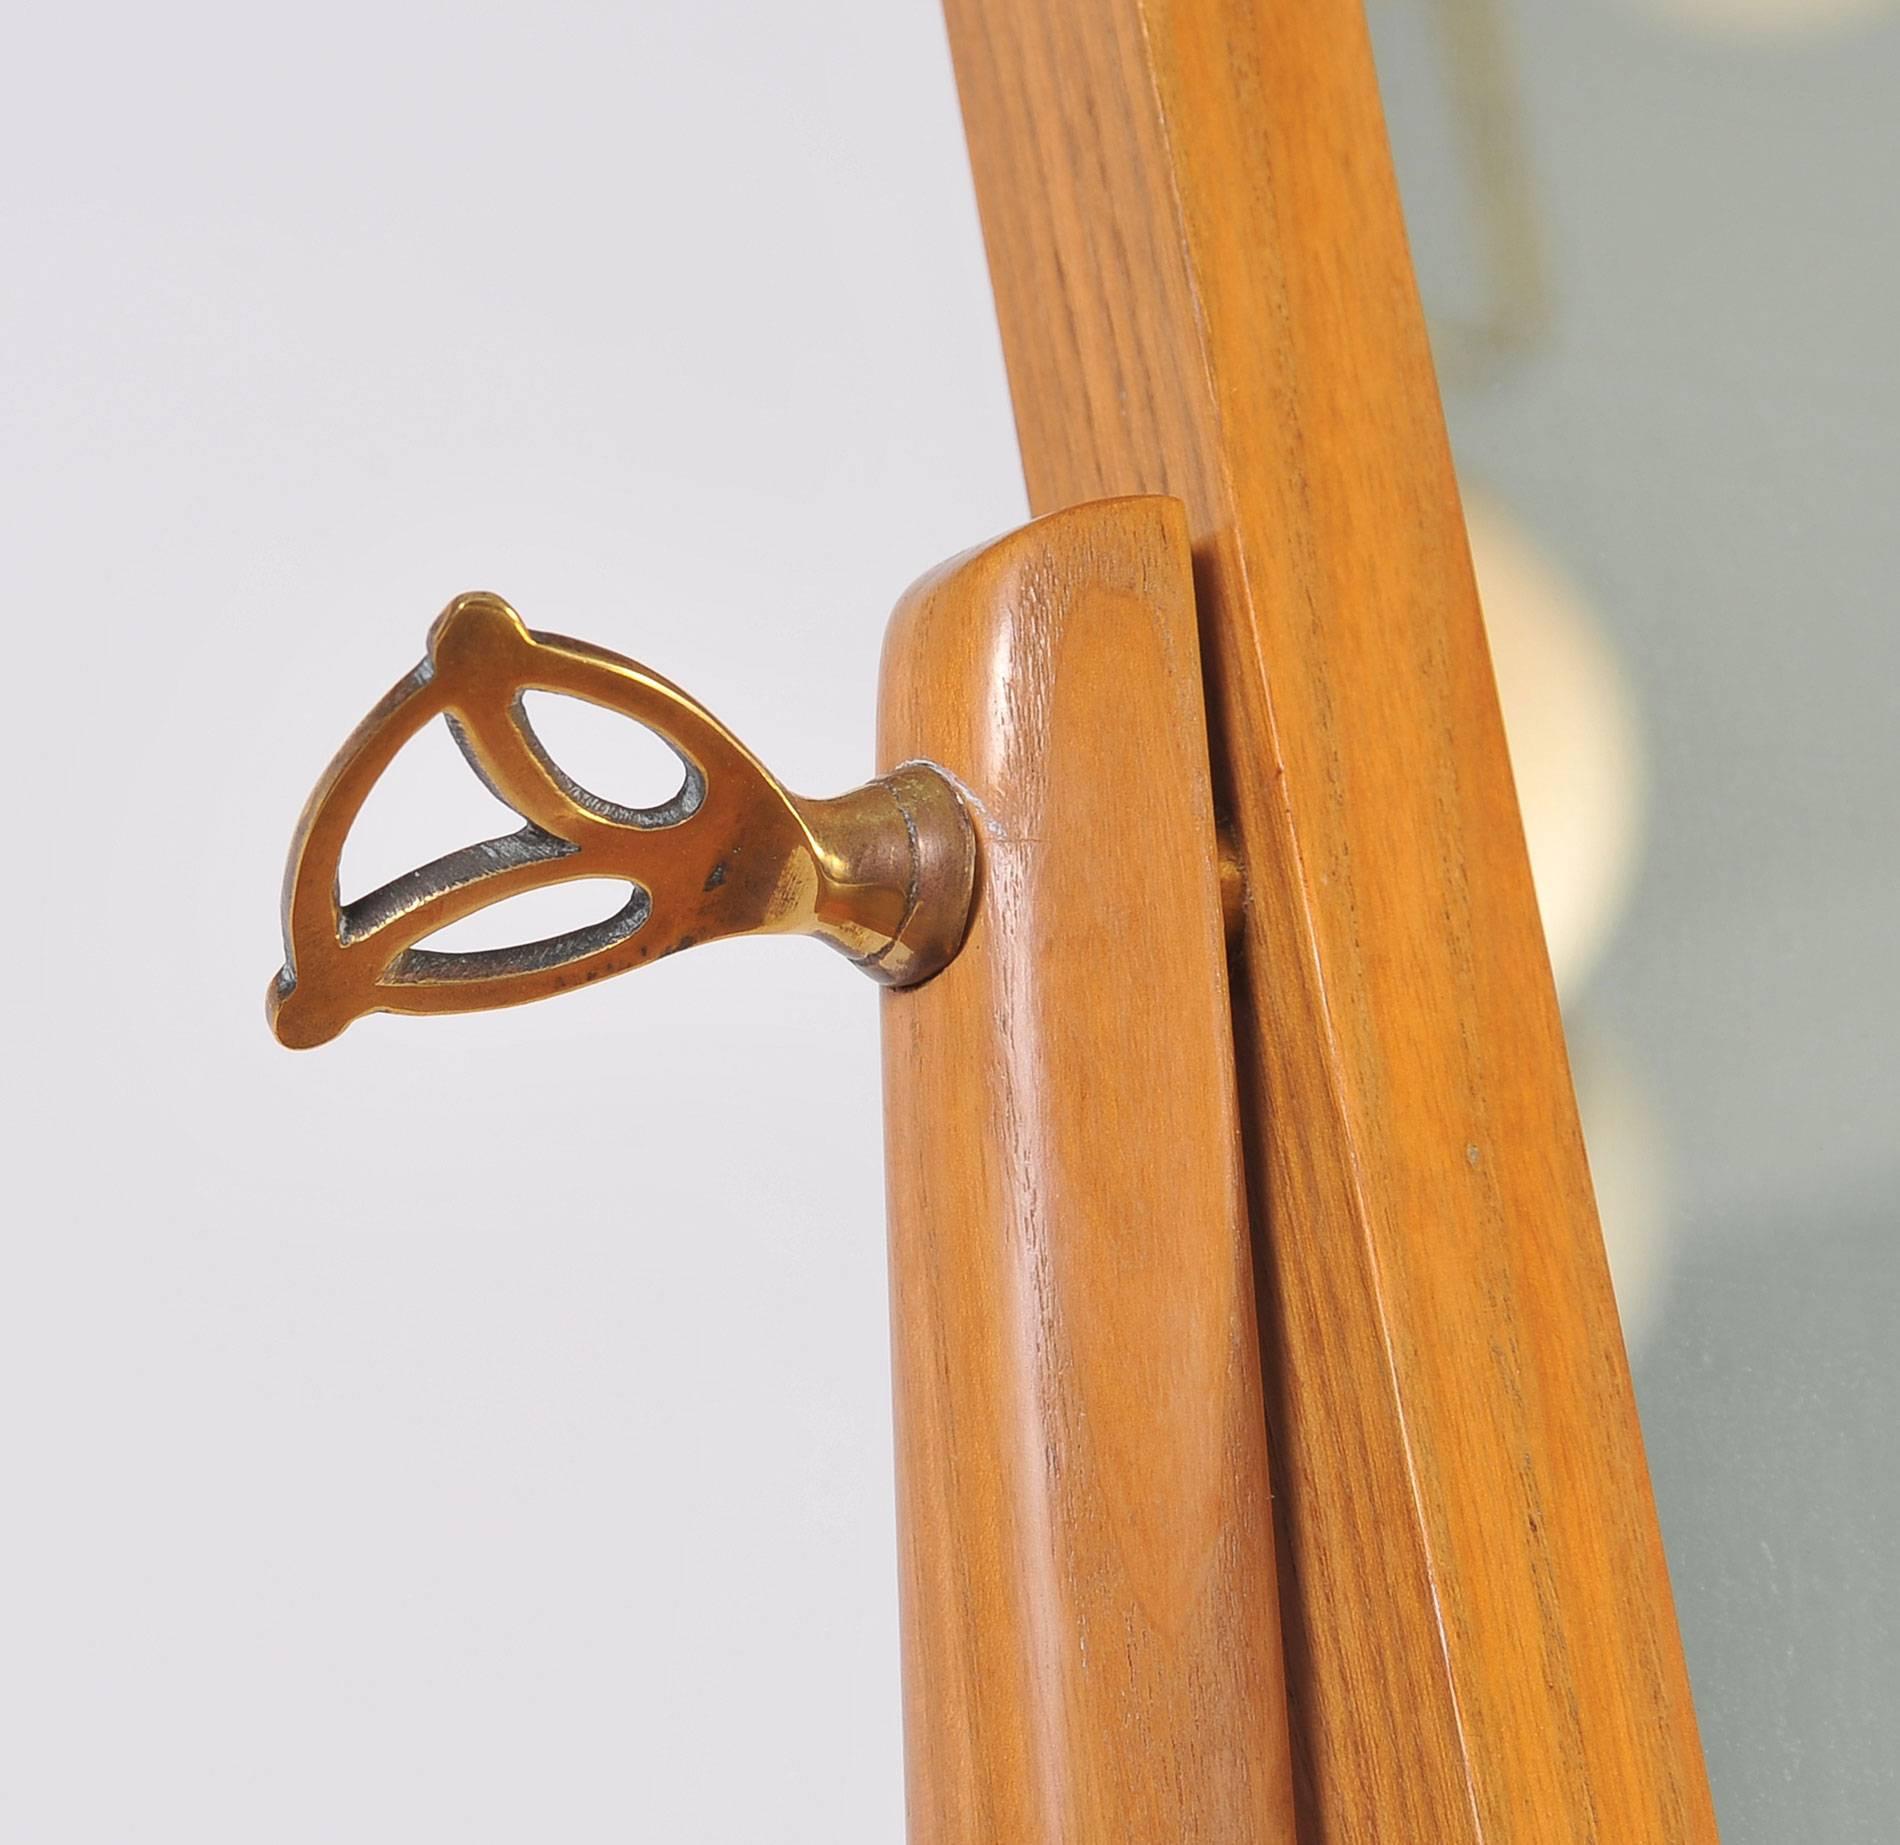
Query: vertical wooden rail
x=1204, y=290
x=1091, y=1652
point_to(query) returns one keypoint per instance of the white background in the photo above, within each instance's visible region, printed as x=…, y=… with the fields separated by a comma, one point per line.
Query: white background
x=478, y=1429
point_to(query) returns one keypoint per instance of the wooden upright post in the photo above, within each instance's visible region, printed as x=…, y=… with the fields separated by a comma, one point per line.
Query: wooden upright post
x=1091, y=1649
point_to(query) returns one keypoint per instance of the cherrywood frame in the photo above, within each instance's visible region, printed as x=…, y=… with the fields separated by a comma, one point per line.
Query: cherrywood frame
x=1204, y=290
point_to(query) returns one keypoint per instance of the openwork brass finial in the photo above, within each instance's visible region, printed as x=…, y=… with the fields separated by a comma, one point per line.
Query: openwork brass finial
x=885, y=873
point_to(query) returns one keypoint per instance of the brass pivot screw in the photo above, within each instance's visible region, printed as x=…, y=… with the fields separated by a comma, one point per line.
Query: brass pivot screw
x=886, y=873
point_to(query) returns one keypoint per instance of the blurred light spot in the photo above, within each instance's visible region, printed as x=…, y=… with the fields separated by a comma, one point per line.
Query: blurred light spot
x=1575, y=746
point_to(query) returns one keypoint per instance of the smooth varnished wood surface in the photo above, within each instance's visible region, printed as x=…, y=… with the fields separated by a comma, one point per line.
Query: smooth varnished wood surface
x=1204, y=290
x=1091, y=1650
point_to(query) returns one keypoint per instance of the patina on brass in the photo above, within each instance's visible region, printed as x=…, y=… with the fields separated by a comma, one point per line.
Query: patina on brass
x=886, y=873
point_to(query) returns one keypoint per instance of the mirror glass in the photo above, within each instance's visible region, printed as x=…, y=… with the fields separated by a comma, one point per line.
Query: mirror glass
x=1659, y=245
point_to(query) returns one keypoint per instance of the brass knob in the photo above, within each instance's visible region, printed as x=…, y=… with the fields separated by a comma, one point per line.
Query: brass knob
x=886, y=873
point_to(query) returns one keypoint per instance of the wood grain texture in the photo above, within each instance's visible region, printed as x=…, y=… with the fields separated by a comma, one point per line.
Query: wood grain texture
x=1091, y=1649
x=1204, y=290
